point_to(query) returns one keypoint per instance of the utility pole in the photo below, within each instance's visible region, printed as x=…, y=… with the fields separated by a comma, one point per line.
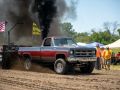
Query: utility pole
x=9, y=40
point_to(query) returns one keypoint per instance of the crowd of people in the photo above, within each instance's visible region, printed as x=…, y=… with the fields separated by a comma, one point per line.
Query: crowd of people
x=103, y=58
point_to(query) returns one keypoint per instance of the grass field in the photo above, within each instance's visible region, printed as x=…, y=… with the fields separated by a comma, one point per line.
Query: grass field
x=116, y=50
x=115, y=67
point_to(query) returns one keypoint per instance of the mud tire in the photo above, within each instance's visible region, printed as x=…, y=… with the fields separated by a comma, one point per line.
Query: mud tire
x=27, y=64
x=60, y=66
x=88, y=68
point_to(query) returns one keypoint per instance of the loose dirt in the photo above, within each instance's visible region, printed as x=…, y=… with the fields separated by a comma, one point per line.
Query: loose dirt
x=44, y=78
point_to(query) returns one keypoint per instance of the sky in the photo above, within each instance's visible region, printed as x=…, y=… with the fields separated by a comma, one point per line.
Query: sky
x=91, y=14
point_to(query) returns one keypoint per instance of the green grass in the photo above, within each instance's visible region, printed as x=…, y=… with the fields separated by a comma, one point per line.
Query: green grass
x=115, y=67
x=116, y=50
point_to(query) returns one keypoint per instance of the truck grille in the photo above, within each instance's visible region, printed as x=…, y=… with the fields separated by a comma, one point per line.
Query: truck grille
x=84, y=53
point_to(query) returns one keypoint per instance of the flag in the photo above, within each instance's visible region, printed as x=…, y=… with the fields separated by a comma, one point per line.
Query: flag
x=2, y=26
x=36, y=30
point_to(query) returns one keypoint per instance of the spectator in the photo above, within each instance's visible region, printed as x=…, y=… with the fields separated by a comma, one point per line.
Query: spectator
x=113, y=58
x=117, y=58
x=102, y=57
x=98, y=55
x=107, y=56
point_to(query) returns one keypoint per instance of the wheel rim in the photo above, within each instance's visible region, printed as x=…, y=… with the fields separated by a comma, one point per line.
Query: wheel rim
x=59, y=67
x=27, y=64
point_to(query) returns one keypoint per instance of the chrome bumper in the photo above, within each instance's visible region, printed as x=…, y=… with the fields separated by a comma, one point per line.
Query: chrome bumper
x=81, y=59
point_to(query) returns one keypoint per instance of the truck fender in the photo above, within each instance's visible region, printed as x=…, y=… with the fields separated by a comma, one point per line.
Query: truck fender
x=25, y=56
x=61, y=55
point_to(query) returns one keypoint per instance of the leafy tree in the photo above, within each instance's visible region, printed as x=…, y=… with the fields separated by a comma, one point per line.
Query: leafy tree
x=105, y=35
x=115, y=26
x=67, y=29
x=118, y=31
x=82, y=37
x=112, y=27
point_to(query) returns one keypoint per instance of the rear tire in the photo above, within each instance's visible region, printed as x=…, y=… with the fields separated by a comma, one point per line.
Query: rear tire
x=88, y=68
x=60, y=66
x=27, y=64
x=6, y=61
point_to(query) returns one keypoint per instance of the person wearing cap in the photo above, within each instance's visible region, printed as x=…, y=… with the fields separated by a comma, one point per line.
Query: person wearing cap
x=102, y=57
x=107, y=56
x=98, y=55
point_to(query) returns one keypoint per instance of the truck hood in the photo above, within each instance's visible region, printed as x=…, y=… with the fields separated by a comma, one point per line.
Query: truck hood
x=76, y=47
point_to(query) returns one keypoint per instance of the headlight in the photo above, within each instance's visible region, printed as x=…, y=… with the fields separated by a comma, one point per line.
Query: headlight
x=71, y=52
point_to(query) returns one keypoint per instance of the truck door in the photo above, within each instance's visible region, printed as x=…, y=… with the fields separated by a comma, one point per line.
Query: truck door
x=47, y=52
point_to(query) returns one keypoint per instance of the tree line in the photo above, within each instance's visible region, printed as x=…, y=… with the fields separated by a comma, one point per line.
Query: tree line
x=108, y=33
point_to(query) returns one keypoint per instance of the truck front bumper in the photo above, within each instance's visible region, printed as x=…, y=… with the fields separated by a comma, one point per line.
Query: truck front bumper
x=81, y=59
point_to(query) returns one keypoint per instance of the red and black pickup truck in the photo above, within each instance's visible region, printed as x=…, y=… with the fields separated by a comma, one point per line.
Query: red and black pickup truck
x=63, y=52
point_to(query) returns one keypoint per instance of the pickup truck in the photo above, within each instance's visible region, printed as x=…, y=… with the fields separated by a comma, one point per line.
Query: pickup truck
x=63, y=52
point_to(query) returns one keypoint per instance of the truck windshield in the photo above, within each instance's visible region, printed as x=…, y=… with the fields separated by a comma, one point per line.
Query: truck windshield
x=64, y=42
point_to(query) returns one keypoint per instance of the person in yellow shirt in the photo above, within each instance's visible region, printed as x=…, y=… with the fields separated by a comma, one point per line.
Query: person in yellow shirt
x=107, y=56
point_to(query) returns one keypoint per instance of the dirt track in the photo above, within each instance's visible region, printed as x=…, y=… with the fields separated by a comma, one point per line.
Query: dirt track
x=24, y=80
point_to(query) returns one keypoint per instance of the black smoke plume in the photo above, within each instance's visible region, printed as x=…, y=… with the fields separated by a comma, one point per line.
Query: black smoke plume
x=47, y=14
x=46, y=11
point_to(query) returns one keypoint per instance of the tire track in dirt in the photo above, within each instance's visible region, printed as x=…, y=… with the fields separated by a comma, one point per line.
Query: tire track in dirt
x=32, y=84
x=45, y=81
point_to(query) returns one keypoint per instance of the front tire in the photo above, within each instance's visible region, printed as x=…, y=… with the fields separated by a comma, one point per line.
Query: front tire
x=27, y=64
x=60, y=66
x=88, y=68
